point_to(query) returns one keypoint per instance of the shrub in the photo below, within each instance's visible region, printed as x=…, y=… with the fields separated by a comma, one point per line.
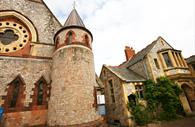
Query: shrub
x=162, y=102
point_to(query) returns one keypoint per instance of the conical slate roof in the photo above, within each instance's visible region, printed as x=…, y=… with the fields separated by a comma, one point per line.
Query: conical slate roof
x=74, y=19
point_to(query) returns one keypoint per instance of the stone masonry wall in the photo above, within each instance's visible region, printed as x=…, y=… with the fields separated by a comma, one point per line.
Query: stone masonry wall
x=29, y=69
x=45, y=23
x=73, y=81
x=117, y=110
x=154, y=71
x=43, y=20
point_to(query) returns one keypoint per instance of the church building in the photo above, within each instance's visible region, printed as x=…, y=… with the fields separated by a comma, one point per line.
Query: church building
x=47, y=75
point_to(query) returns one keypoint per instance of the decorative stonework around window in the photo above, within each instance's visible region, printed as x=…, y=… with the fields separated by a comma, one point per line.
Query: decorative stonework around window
x=70, y=37
x=172, y=59
x=41, y=94
x=13, y=101
x=13, y=36
x=16, y=33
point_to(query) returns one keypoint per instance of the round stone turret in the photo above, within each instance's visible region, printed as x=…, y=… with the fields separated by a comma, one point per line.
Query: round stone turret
x=73, y=32
x=72, y=101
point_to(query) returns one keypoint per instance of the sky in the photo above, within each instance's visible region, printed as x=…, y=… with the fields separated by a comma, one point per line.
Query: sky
x=134, y=23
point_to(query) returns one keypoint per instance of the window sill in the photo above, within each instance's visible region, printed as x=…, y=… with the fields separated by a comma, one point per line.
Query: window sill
x=173, y=68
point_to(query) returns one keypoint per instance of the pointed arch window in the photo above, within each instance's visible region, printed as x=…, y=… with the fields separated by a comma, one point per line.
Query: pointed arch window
x=69, y=37
x=14, y=98
x=87, y=41
x=15, y=95
x=41, y=93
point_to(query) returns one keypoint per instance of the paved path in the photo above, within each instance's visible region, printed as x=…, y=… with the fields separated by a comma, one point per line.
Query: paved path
x=186, y=122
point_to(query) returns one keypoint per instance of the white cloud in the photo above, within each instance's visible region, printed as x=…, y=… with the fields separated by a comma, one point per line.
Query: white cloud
x=116, y=23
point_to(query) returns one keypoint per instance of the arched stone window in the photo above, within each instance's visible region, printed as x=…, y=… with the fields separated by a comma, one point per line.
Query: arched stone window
x=87, y=41
x=15, y=95
x=16, y=89
x=41, y=92
x=69, y=37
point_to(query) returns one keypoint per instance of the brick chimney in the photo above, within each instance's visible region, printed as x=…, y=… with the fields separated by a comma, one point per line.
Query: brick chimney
x=129, y=52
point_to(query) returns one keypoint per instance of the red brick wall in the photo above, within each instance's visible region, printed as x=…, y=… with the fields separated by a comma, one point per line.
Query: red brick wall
x=25, y=119
x=129, y=52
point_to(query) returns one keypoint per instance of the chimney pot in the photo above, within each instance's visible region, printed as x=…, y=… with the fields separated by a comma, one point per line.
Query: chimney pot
x=129, y=52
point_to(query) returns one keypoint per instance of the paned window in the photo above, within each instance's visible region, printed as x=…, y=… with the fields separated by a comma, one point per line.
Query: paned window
x=167, y=60
x=156, y=63
x=15, y=93
x=40, y=93
x=8, y=37
x=111, y=90
x=139, y=91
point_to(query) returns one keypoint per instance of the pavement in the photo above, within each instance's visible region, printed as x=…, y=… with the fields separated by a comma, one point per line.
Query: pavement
x=185, y=122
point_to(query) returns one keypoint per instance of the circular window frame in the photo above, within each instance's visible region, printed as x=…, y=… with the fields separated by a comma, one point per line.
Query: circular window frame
x=12, y=20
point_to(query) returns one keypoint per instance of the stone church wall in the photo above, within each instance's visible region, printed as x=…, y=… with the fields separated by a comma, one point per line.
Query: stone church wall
x=30, y=70
x=43, y=20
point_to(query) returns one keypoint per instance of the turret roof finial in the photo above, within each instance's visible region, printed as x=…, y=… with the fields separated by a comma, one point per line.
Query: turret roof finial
x=74, y=18
x=74, y=4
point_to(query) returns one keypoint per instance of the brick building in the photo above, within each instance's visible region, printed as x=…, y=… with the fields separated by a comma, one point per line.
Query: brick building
x=124, y=81
x=47, y=74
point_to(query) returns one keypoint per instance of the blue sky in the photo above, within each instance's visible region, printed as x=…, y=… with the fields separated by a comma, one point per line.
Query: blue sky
x=135, y=23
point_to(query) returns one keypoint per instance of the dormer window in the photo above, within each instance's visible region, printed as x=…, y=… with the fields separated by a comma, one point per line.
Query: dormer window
x=167, y=60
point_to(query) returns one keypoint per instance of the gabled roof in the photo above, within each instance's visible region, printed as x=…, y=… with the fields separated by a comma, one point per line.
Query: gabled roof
x=125, y=74
x=190, y=59
x=74, y=19
x=141, y=54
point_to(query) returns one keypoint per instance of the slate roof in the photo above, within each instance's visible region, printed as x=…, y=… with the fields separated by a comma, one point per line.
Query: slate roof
x=141, y=54
x=125, y=74
x=74, y=19
x=190, y=59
